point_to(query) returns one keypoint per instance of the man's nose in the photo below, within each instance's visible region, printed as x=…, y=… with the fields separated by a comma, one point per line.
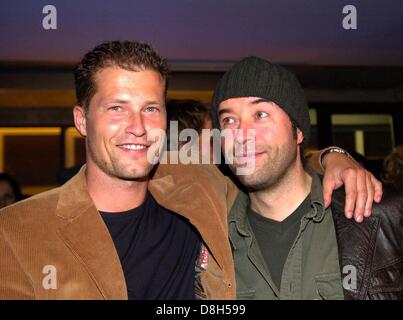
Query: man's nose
x=135, y=125
x=242, y=134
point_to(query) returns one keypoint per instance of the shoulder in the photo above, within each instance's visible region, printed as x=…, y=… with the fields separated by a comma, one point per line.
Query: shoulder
x=31, y=210
x=390, y=209
x=205, y=174
x=205, y=177
x=390, y=206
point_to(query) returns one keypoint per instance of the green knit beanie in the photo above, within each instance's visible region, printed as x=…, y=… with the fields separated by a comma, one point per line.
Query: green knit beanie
x=255, y=77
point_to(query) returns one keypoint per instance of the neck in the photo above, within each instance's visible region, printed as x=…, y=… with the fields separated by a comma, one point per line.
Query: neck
x=280, y=200
x=111, y=194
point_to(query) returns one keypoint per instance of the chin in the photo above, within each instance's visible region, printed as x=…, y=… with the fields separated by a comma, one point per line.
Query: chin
x=135, y=173
x=131, y=176
x=256, y=181
x=249, y=181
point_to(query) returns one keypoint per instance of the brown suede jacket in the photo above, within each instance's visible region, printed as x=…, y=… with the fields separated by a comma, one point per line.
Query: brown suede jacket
x=61, y=231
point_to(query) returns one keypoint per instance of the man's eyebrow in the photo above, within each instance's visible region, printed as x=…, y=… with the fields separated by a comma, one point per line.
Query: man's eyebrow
x=223, y=111
x=121, y=101
x=154, y=102
x=256, y=101
x=260, y=100
x=124, y=101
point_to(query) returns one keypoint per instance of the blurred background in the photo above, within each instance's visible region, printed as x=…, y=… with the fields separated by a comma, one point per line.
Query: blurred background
x=353, y=78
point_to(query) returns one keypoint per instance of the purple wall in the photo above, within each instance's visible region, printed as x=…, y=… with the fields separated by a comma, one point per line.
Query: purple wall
x=209, y=31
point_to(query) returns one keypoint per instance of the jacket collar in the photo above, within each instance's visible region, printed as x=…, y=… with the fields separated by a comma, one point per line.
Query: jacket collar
x=318, y=209
x=238, y=217
x=356, y=244
x=186, y=190
x=174, y=187
x=237, y=214
x=87, y=236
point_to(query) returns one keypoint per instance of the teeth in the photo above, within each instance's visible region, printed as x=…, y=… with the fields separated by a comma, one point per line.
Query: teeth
x=133, y=146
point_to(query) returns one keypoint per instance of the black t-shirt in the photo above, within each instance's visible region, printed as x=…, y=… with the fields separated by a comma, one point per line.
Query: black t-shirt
x=157, y=249
x=276, y=238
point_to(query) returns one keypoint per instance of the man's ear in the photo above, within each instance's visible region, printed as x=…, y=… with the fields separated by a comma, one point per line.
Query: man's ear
x=300, y=136
x=80, y=120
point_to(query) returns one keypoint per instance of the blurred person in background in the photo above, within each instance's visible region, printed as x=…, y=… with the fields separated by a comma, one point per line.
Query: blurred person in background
x=392, y=172
x=10, y=191
x=189, y=114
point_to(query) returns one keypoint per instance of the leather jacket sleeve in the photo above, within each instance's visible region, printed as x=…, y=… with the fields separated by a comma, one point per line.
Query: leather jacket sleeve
x=374, y=248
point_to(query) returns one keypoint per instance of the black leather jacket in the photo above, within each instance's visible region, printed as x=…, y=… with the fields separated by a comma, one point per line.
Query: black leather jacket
x=373, y=248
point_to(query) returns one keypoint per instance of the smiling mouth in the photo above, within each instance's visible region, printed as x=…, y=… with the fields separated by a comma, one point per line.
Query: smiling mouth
x=132, y=146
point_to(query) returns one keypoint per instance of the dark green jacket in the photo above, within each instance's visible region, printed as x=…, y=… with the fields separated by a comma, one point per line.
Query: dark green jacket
x=370, y=254
x=311, y=270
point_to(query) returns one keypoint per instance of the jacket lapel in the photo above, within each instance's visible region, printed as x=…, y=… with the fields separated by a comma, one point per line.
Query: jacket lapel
x=178, y=189
x=88, y=238
x=356, y=244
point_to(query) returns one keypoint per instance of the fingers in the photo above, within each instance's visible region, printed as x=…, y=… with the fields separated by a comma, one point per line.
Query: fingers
x=371, y=194
x=350, y=183
x=361, y=187
x=328, y=187
x=378, y=189
x=362, y=195
x=361, y=199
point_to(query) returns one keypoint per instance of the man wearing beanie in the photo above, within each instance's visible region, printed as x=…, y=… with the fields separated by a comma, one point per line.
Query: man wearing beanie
x=286, y=244
x=124, y=227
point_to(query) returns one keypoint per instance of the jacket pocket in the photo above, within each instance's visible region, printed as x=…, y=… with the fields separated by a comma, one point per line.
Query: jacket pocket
x=328, y=286
x=248, y=294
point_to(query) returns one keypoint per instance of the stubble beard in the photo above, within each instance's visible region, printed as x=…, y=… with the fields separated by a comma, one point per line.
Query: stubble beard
x=270, y=171
x=116, y=168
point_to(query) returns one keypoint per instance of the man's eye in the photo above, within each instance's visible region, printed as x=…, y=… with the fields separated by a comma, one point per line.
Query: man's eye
x=116, y=108
x=227, y=121
x=261, y=114
x=151, y=109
